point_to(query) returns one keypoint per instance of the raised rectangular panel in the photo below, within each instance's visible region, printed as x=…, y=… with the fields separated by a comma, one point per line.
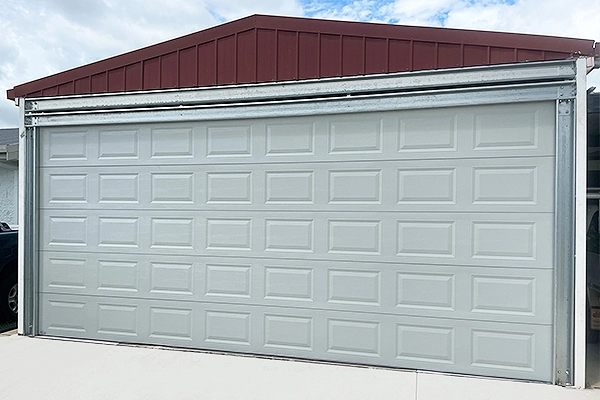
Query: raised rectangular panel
x=431, y=132
x=426, y=239
x=66, y=316
x=517, y=185
x=228, y=280
x=68, y=145
x=355, y=186
x=65, y=273
x=118, y=276
x=172, y=143
x=172, y=188
x=116, y=319
x=171, y=278
x=229, y=141
x=291, y=139
x=289, y=283
x=504, y=240
x=228, y=327
x=68, y=231
x=118, y=188
x=357, y=135
x=171, y=323
x=354, y=237
x=503, y=295
x=354, y=337
x=507, y=127
x=173, y=232
x=290, y=187
x=122, y=232
x=68, y=188
x=346, y=286
x=427, y=186
x=288, y=332
x=223, y=187
x=425, y=343
x=431, y=291
x=232, y=234
x=118, y=144
x=502, y=350
x=289, y=235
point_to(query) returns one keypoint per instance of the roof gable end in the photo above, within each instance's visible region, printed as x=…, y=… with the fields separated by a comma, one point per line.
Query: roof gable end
x=262, y=48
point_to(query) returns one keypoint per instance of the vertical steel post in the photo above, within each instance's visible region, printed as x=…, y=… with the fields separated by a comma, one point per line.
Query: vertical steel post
x=30, y=234
x=564, y=239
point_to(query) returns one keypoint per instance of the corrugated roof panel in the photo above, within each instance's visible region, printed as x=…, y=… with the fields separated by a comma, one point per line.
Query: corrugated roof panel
x=151, y=74
x=287, y=55
x=266, y=58
x=226, y=60
x=551, y=55
x=169, y=71
x=82, y=86
x=475, y=55
x=330, y=55
x=50, y=91
x=449, y=55
x=246, y=56
x=266, y=48
x=502, y=55
x=133, y=77
x=353, y=57
x=308, y=55
x=424, y=56
x=188, y=68
x=116, y=80
x=400, y=54
x=530, y=55
x=207, y=64
x=376, y=55
x=99, y=83
x=66, y=89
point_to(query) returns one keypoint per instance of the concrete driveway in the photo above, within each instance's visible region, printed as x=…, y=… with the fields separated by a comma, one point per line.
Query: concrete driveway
x=42, y=368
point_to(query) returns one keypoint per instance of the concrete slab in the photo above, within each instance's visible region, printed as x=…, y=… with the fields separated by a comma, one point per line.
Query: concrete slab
x=55, y=369
x=42, y=368
x=432, y=386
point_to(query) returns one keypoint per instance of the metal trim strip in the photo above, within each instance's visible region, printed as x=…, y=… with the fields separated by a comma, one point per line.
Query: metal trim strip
x=433, y=79
x=338, y=105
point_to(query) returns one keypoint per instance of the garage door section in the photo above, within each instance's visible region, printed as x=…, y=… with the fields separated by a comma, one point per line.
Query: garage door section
x=412, y=239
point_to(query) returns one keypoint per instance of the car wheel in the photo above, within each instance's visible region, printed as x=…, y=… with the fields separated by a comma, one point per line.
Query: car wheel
x=8, y=298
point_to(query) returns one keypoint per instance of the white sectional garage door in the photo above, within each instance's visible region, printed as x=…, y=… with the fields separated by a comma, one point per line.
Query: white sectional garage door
x=413, y=239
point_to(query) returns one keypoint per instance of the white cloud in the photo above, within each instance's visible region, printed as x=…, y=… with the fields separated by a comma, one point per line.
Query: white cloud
x=42, y=37
x=232, y=9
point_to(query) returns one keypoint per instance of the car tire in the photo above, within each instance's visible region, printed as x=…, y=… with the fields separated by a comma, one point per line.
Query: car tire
x=8, y=297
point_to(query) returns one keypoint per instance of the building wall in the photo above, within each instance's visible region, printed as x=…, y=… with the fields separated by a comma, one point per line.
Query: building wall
x=9, y=189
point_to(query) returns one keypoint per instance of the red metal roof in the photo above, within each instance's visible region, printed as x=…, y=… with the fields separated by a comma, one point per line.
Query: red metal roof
x=264, y=48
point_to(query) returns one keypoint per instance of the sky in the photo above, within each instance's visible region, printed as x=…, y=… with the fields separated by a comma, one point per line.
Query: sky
x=43, y=37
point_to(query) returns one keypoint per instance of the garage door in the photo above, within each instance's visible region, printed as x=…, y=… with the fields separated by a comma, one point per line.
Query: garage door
x=418, y=239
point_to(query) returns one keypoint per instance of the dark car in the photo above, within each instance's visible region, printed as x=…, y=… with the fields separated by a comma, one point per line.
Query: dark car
x=8, y=273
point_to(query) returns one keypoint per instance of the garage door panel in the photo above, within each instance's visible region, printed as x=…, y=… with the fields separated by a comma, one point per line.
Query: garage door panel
x=513, y=185
x=434, y=238
x=507, y=130
x=408, y=342
x=413, y=239
x=501, y=294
